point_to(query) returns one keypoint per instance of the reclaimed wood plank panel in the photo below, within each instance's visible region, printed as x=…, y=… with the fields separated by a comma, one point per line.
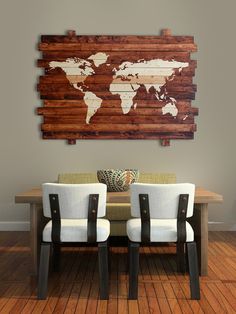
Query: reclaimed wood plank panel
x=117, y=80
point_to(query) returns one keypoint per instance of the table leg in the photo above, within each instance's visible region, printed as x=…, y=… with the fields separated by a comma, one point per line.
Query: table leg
x=35, y=234
x=199, y=222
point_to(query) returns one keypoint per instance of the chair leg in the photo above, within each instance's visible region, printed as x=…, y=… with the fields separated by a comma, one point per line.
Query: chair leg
x=193, y=271
x=133, y=269
x=56, y=257
x=103, y=270
x=181, y=266
x=43, y=271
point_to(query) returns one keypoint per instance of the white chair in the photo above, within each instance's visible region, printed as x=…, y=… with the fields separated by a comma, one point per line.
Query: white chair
x=75, y=211
x=161, y=211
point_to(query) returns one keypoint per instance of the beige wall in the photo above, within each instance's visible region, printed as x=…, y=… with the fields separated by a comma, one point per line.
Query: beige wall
x=26, y=160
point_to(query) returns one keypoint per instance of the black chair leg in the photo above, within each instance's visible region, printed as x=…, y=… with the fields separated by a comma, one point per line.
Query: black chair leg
x=43, y=271
x=103, y=270
x=56, y=257
x=181, y=266
x=133, y=270
x=193, y=270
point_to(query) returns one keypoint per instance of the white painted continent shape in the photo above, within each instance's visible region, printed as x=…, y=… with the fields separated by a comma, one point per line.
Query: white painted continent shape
x=77, y=70
x=93, y=103
x=164, y=70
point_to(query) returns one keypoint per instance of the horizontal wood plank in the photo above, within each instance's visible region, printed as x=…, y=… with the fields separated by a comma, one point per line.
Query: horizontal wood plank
x=46, y=64
x=191, y=47
x=96, y=119
x=110, y=111
x=188, y=71
x=145, y=103
x=101, y=39
x=119, y=127
x=104, y=87
x=119, y=57
x=132, y=135
x=106, y=95
x=102, y=79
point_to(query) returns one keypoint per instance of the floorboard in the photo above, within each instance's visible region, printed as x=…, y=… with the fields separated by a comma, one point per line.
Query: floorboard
x=75, y=288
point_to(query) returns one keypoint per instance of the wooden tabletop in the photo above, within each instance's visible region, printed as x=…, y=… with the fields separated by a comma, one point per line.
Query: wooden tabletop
x=201, y=196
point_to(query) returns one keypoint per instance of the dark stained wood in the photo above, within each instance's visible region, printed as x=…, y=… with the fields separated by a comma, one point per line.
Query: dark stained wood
x=47, y=88
x=182, y=119
x=117, y=135
x=116, y=39
x=45, y=63
x=114, y=103
x=74, y=288
x=140, y=111
x=119, y=57
x=102, y=70
x=75, y=94
x=105, y=79
x=165, y=142
x=191, y=47
x=162, y=128
x=65, y=111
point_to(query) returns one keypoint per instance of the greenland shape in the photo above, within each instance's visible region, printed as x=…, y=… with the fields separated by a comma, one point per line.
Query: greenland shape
x=99, y=58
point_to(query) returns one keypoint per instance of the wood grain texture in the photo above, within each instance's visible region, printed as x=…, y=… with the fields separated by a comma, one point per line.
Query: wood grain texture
x=74, y=289
x=106, y=105
x=118, y=47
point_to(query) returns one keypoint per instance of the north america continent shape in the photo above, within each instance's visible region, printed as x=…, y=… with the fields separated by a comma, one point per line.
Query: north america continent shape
x=77, y=70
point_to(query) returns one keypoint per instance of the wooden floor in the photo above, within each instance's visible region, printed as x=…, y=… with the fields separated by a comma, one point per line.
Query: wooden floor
x=75, y=288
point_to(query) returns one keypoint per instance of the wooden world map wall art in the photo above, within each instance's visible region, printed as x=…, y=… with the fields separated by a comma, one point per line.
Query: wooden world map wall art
x=117, y=87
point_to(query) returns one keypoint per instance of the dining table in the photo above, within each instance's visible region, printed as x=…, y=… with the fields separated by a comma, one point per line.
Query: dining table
x=199, y=220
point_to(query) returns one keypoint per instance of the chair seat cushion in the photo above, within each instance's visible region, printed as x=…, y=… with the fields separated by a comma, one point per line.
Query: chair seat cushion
x=162, y=230
x=75, y=230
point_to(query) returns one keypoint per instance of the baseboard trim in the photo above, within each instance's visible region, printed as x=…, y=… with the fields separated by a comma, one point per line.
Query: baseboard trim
x=14, y=226
x=221, y=226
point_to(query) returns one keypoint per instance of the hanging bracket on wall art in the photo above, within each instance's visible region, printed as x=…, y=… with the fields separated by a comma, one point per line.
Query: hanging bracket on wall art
x=117, y=87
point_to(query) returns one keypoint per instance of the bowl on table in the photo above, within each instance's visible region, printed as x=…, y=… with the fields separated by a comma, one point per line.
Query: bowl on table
x=117, y=180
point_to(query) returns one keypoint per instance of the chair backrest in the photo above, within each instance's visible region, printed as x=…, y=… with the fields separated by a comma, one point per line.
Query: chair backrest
x=163, y=199
x=74, y=199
